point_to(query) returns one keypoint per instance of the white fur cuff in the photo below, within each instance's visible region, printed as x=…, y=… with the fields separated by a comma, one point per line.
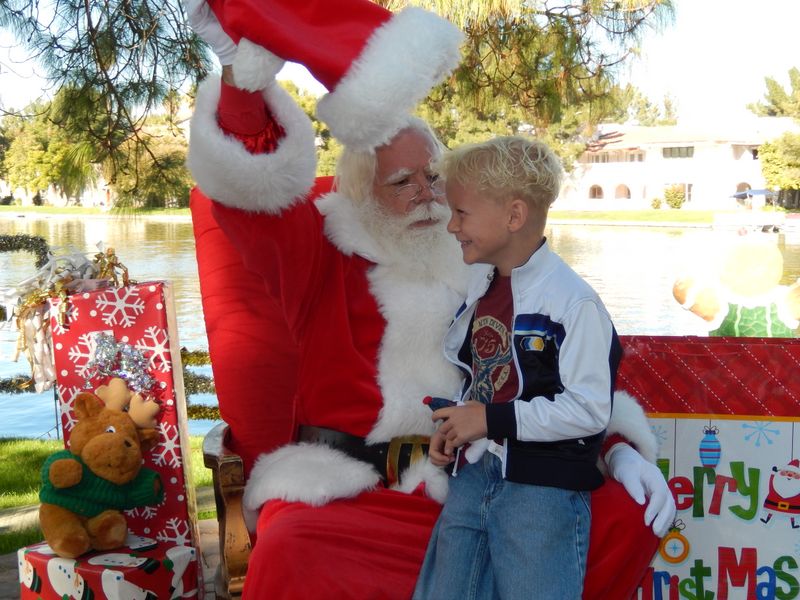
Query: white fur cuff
x=402, y=61
x=310, y=473
x=226, y=172
x=629, y=421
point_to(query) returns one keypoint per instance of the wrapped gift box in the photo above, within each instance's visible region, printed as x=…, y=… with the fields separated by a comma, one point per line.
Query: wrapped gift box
x=144, y=569
x=140, y=316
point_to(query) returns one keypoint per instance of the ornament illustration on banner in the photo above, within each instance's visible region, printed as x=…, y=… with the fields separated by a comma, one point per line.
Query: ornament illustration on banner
x=119, y=359
x=674, y=547
x=710, y=448
x=784, y=493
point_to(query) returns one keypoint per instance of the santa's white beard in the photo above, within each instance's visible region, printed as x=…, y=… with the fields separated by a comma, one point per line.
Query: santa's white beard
x=427, y=250
x=786, y=487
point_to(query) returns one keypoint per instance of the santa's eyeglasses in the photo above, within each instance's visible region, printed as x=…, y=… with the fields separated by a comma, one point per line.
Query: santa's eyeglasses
x=790, y=474
x=411, y=191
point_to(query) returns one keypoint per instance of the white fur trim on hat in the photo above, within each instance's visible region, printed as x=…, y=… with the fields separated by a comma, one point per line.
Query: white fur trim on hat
x=629, y=421
x=402, y=60
x=226, y=172
x=310, y=473
x=255, y=67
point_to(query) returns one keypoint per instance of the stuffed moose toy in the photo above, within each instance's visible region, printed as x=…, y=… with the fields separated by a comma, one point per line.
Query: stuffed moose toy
x=86, y=488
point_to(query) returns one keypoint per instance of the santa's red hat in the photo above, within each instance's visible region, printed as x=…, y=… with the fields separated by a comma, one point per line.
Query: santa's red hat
x=377, y=65
x=793, y=466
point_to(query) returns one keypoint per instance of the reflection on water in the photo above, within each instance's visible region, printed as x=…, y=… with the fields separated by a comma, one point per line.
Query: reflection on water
x=632, y=268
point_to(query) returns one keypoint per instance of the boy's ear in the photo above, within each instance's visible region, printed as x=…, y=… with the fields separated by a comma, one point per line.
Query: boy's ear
x=518, y=211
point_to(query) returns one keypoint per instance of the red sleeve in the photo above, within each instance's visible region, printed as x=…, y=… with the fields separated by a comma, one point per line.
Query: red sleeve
x=610, y=440
x=246, y=116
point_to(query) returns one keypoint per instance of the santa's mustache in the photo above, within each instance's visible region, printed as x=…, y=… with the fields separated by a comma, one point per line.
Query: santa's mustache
x=430, y=211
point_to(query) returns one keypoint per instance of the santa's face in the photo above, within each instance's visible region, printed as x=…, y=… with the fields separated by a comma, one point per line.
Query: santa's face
x=404, y=184
x=786, y=483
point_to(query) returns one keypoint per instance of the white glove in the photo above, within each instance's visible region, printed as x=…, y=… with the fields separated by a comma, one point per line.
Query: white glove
x=643, y=479
x=205, y=24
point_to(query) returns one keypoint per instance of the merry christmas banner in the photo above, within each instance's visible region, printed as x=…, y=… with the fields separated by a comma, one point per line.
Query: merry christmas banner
x=725, y=412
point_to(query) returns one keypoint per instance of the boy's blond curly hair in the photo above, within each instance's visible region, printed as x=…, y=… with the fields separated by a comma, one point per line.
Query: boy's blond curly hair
x=504, y=167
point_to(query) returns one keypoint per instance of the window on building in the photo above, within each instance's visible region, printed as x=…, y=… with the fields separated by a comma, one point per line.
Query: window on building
x=678, y=152
x=596, y=192
x=622, y=191
x=635, y=156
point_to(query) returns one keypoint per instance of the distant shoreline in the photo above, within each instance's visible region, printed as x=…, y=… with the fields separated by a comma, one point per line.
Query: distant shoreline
x=7, y=215
x=689, y=218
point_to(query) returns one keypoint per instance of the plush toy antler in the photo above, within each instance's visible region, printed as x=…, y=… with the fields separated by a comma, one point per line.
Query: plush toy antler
x=143, y=412
x=116, y=395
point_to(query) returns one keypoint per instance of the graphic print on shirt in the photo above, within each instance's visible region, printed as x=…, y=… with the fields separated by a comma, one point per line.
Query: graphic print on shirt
x=494, y=375
x=491, y=357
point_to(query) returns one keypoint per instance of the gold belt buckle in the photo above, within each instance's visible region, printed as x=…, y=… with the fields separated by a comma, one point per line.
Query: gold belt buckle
x=783, y=505
x=393, y=455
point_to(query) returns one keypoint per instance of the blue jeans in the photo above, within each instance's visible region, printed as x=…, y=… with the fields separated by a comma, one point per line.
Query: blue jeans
x=499, y=539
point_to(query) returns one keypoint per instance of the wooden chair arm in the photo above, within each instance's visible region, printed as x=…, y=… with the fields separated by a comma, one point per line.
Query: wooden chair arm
x=234, y=540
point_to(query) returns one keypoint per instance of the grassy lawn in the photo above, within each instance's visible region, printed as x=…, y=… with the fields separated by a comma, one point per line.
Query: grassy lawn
x=20, y=464
x=638, y=216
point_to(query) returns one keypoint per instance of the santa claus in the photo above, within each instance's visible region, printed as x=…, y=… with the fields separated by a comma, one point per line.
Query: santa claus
x=784, y=492
x=360, y=284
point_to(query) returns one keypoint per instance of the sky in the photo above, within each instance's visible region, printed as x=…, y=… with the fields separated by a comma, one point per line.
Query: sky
x=712, y=60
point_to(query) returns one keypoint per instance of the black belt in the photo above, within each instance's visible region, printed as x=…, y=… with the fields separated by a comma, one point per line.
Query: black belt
x=389, y=458
x=781, y=505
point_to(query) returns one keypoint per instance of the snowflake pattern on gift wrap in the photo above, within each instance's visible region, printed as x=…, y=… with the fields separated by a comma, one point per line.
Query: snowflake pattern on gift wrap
x=168, y=452
x=120, y=306
x=176, y=531
x=155, y=344
x=760, y=432
x=81, y=353
x=145, y=512
x=66, y=397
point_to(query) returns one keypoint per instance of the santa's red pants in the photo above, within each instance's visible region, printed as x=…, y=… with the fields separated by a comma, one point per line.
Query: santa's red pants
x=372, y=546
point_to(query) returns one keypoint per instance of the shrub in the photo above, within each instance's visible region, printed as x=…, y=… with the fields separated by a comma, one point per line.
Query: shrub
x=673, y=195
x=656, y=203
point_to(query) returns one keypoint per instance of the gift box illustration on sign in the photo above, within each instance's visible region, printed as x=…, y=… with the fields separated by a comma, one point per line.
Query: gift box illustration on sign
x=126, y=333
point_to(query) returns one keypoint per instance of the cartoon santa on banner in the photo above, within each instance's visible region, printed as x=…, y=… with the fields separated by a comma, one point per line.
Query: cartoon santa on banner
x=784, y=492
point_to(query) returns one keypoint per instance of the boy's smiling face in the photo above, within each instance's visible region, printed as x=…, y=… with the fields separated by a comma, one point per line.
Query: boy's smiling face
x=481, y=225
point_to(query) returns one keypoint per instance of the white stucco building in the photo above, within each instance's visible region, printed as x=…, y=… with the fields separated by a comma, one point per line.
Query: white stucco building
x=628, y=166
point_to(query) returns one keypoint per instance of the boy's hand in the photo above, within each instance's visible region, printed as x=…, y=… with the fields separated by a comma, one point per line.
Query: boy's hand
x=462, y=424
x=440, y=452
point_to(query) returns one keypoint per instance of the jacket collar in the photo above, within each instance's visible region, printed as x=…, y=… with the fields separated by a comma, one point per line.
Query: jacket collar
x=539, y=263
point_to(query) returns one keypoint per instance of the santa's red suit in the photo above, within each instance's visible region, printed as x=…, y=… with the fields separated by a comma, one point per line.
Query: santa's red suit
x=358, y=336
x=784, y=490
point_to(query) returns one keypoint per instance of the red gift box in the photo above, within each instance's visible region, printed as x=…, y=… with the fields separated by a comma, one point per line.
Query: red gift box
x=142, y=317
x=143, y=569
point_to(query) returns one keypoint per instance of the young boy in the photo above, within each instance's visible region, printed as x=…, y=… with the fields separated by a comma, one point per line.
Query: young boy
x=540, y=356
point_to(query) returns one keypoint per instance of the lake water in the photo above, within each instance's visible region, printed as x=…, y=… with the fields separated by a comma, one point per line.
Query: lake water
x=632, y=268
